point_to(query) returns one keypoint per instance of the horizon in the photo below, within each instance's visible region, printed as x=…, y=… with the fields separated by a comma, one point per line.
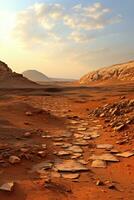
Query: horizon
x=65, y=39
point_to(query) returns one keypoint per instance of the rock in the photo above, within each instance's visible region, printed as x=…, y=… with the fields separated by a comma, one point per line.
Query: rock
x=7, y=187
x=104, y=146
x=14, y=159
x=99, y=164
x=58, y=139
x=58, y=143
x=105, y=157
x=119, y=127
x=94, y=134
x=83, y=162
x=81, y=143
x=82, y=129
x=76, y=155
x=24, y=150
x=55, y=174
x=44, y=146
x=63, y=153
x=75, y=149
x=66, y=145
x=70, y=175
x=78, y=135
x=70, y=166
x=126, y=154
x=42, y=154
x=45, y=165
x=28, y=113
x=87, y=137
x=99, y=183
x=27, y=134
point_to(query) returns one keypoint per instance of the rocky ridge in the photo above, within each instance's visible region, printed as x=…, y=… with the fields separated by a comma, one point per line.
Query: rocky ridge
x=9, y=79
x=124, y=72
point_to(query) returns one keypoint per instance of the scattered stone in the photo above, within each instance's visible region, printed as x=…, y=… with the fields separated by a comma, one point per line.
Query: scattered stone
x=27, y=134
x=70, y=175
x=94, y=134
x=114, y=151
x=55, y=174
x=104, y=146
x=105, y=157
x=75, y=149
x=70, y=166
x=63, y=153
x=7, y=187
x=24, y=150
x=44, y=146
x=76, y=155
x=82, y=129
x=45, y=165
x=119, y=127
x=83, y=162
x=99, y=183
x=66, y=145
x=42, y=154
x=81, y=143
x=126, y=154
x=14, y=159
x=99, y=164
x=77, y=135
x=28, y=113
x=46, y=136
x=58, y=143
x=87, y=137
x=58, y=139
x=120, y=142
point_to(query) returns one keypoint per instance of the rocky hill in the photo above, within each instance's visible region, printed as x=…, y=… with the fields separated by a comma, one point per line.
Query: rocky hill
x=39, y=77
x=124, y=72
x=35, y=75
x=10, y=79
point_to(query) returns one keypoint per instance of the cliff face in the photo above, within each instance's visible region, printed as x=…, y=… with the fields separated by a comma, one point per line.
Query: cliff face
x=10, y=79
x=122, y=72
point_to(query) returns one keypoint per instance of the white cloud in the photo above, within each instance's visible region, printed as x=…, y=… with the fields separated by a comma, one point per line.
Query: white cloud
x=43, y=22
x=80, y=37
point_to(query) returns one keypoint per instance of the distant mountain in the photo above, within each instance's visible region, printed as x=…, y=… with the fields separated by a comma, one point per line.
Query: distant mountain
x=10, y=79
x=35, y=75
x=39, y=77
x=122, y=72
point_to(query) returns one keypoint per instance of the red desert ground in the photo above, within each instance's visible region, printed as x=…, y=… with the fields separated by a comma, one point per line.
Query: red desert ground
x=67, y=140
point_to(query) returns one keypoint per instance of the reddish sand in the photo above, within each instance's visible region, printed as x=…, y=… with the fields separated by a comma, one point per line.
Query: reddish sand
x=75, y=100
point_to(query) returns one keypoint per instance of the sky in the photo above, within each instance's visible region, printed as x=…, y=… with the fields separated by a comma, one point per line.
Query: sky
x=66, y=38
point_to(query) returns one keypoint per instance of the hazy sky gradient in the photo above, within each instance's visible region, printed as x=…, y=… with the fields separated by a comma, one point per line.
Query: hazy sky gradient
x=64, y=38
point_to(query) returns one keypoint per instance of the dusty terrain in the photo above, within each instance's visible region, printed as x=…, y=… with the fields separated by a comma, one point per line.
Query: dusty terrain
x=40, y=125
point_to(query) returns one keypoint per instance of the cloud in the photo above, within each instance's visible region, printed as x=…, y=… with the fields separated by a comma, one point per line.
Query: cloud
x=80, y=37
x=90, y=18
x=41, y=22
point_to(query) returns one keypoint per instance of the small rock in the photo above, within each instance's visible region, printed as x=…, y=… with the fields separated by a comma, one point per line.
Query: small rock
x=70, y=175
x=7, y=187
x=98, y=164
x=28, y=113
x=63, y=153
x=42, y=154
x=75, y=149
x=104, y=146
x=99, y=183
x=70, y=166
x=105, y=157
x=27, y=134
x=125, y=154
x=14, y=159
